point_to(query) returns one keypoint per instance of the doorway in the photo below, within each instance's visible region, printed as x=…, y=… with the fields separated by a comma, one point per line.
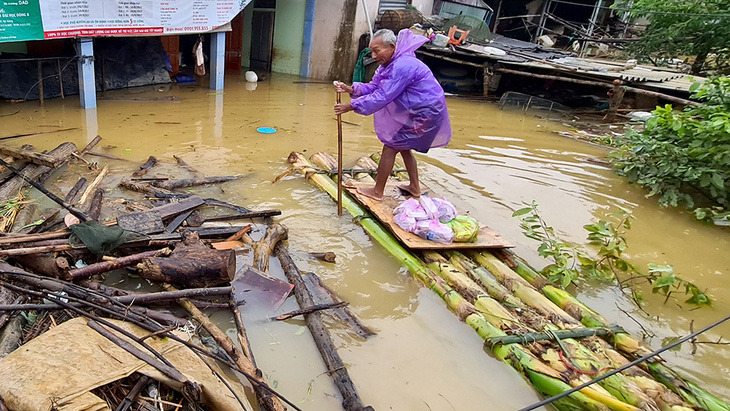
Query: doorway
x=262, y=34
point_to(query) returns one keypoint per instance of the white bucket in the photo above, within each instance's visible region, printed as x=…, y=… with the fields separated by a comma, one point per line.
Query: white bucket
x=251, y=77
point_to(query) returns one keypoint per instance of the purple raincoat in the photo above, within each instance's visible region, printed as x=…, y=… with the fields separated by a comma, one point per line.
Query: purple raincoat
x=408, y=102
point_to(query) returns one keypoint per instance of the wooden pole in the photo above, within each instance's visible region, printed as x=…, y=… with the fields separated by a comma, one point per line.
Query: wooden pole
x=335, y=367
x=40, y=82
x=339, y=158
x=60, y=77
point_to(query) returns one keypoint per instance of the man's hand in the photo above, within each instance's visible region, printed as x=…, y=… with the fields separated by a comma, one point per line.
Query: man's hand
x=341, y=87
x=342, y=108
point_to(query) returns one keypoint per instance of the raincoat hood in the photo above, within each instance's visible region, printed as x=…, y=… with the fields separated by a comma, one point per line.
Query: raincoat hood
x=407, y=43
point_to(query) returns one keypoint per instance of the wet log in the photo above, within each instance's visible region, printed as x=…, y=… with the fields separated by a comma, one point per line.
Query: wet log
x=335, y=367
x=93, y=143
x=144, y=168
x=33, y=171
x=60, y=130
x=44, y=263
x=30, y=156
x=5, y=317
x=263, y=249
x=95, y=208
x=308, y=310
x=328, y=257
x=94, y=184
x=191, y=182
x=184, y=165
x=110, y=157
x=121, y=262
x=321, y=294
x=266, y=400
x=244, y=216
x=73, y=193
x=192, y=265
x=218, y=203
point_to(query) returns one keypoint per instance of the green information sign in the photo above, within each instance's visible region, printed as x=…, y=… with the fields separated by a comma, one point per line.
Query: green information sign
x=20, y=20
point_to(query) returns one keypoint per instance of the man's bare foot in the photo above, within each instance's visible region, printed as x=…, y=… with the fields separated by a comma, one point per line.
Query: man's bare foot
x=413, y=191
x=370, y=192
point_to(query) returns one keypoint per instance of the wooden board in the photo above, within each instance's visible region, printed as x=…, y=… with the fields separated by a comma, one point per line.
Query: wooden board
x=383, y=211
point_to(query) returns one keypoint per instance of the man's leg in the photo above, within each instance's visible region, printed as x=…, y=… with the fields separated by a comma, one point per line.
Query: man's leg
x=387, y=159
x=412, y=168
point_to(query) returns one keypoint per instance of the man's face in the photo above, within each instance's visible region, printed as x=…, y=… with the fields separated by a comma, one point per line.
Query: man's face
x=381, y=52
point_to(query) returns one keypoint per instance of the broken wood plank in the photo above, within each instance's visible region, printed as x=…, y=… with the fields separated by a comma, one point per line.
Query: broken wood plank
x=144, y=168
x=244, y=216
x=144, y=222
x=90, y=189
x=177, y=221
x=33, y=171
x=30, y=156
x=121, y=262
x=93, y=143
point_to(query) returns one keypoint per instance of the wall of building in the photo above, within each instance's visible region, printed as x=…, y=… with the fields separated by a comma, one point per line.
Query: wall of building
x=331, y=59
x=288, y=36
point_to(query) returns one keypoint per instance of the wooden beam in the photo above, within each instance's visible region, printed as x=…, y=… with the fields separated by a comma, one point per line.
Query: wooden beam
x=31, y=156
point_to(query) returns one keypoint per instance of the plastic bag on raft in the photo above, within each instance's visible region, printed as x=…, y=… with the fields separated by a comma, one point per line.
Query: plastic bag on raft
x=446, y=210
x=433, y=230
x=412, y=208
x=465, y=229
x=405, y=221
x=432, y=210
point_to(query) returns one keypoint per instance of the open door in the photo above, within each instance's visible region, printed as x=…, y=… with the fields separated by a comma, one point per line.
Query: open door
x=234, y=44
x=171, y=44
x=262, y=40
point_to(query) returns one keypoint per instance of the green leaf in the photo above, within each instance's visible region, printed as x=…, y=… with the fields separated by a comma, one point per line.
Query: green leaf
x=521, y=211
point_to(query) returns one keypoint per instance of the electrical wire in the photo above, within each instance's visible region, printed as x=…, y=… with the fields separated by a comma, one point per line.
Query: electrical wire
x=25, y=98
x=624, y=367
x=643, y=11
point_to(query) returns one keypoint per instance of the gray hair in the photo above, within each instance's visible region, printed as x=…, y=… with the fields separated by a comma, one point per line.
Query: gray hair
x=386, y=35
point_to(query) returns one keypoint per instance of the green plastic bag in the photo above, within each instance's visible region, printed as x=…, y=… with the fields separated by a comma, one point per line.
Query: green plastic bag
x=465, y=229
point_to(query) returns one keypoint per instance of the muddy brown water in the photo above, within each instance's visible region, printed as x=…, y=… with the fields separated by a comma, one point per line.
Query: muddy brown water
x=423, y=358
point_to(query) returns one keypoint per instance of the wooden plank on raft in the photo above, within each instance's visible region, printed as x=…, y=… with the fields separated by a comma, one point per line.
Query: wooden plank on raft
x=383, y=211
x=150, y=221
x=30, y=156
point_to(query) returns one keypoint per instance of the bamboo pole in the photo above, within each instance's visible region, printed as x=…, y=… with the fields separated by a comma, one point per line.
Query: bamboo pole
x=545, y=379
x=689, y=391
x=339, y=157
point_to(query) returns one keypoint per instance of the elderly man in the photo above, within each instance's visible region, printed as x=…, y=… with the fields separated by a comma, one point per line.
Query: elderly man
x=408, y=105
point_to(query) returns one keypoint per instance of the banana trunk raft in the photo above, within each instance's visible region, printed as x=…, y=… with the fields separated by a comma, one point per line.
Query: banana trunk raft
x=552, y=339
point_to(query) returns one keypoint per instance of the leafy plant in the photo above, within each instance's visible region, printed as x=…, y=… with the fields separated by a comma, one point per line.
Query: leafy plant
x=569, y=262
x=680, y=28
x=684, y=157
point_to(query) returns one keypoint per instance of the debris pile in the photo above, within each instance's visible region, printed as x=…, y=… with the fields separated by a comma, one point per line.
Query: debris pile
x=116, y=348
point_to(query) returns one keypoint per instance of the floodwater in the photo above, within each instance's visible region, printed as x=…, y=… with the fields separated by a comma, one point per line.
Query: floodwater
x=422, y=358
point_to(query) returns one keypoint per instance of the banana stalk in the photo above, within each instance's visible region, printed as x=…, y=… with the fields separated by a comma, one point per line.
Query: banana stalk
x=582, y=358
x=687, y=390
x=545, y=380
